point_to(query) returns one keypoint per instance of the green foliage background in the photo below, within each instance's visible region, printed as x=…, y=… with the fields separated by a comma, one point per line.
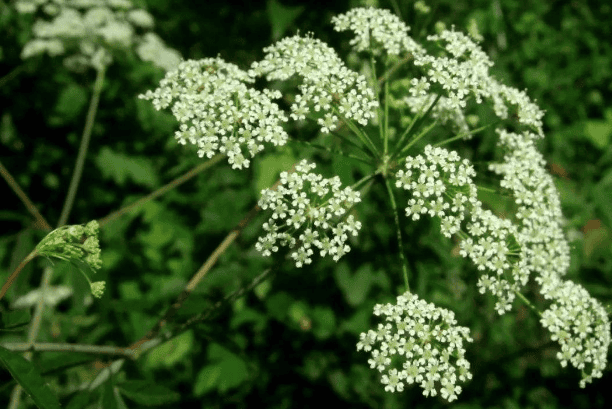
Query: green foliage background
x=290, y=342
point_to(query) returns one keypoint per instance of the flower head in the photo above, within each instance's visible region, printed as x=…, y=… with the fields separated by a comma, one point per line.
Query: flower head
x=90, y=30
x=428, y=343
x=328, y=86
x=580, y=325
x=309, y=207
x=375, y=30
x=73, y=243
x=218, y=112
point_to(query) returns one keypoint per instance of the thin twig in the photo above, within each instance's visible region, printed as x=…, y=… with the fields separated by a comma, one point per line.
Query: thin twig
x=41, y=223
x=176, y=182
x=80, y=162
x=52, y=347
x=9, y=281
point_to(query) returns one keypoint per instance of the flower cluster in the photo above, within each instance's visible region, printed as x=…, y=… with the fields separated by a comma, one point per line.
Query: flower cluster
x=466, y=72
x=90, y=29
x=576, y=320
x=580, y=325
x=218, y=112
x=426, y=341
x=306, y=205
x=441, y=185
x=75, y=243
x=376, y=30
x=328, y=86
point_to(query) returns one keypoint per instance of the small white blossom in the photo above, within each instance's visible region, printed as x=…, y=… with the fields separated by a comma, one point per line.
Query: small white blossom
x=327, y=83
x=302, y=207
x=374, y=29
x=431, y=353
x=218, y=112
x=89, y=31
x=580, y=325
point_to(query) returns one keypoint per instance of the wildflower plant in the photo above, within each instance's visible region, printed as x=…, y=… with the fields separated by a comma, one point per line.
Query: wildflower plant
x=392, y=110
x=438, y=84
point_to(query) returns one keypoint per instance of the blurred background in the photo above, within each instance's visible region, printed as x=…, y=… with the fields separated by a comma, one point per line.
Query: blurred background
x=291, y=342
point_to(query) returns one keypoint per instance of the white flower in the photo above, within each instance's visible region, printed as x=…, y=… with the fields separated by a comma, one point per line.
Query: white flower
x=301, y=206
x=88, y=29
x=218, y=112
x=376, y=30
x=327, y=83
x=431, y=353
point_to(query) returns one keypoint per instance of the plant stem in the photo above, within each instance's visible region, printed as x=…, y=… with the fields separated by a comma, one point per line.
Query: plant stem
x=171, y=185
x=80, y=162
x=13, y=276
x=528, y=303
x=74, y=184
x=82, y=348
x=40, y=220
x=400, y=242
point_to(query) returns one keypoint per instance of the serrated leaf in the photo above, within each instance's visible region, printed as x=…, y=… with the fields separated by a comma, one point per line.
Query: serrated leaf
x=30, y=380
x=147, y=393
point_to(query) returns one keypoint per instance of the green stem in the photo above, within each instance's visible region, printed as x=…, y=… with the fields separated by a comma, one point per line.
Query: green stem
x=80, y=162
x=528, y=303
x=74, y=183
x=415, y=123
x=421, y=135
x=334, y=152
x=8, y=77
x=361, y=135
x=462, y=135
x=400, y=242
x=386, y=127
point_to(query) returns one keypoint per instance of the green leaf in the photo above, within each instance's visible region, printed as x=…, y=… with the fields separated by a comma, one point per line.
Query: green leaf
x=107, y=400
x=13, y=320
x=355, y=287
x=324, y=322
x=278, y=305
x=598, y=131
x=79, y=401
x=171, y=352
x=268, y=168
x=30, y=380
x=120, y=168
x=207, y=379
x=147, y=393
x=70, y=104
x=233, y=370
x=281, y=17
